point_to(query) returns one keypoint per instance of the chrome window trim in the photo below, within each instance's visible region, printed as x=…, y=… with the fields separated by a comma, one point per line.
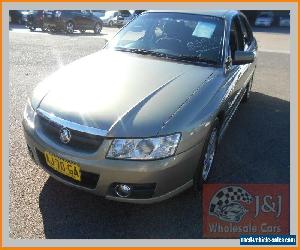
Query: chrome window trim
x=72, y=125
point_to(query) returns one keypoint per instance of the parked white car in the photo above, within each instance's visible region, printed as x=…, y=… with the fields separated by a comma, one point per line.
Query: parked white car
x=107, y=19
x=116, y=17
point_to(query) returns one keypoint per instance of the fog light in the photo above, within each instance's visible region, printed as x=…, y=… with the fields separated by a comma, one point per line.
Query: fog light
x=123, y=190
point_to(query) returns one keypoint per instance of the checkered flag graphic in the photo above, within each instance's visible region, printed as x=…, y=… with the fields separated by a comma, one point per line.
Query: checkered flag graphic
x=228, y=195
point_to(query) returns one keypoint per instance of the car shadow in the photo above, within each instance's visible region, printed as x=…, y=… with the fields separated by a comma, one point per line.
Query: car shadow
x=69, y=213
x=256, y=145
x=255, y=149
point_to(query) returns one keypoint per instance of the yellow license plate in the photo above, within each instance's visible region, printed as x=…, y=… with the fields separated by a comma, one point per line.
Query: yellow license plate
x=63, y=166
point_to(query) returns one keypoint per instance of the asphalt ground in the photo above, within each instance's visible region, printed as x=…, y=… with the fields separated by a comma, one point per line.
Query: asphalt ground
x=255, y=149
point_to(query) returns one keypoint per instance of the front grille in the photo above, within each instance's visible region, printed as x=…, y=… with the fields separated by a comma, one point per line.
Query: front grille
x=88, y=180
x=80, y=141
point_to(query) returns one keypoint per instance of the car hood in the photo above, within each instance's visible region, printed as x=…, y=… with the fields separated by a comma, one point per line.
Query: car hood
x=122, y=93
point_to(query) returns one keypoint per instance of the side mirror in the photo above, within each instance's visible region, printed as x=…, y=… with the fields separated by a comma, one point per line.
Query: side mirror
x=243, y=57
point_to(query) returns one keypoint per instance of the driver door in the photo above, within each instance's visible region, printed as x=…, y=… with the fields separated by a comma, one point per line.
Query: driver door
x=234, y=73
x=85, y=19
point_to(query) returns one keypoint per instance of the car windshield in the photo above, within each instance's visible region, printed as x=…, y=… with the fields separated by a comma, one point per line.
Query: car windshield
x=186, y=37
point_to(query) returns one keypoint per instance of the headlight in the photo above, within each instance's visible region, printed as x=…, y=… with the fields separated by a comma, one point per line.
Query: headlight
x=29, y=115
x=144, y=148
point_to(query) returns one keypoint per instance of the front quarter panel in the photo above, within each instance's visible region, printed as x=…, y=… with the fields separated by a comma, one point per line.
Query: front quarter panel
x=194, y=118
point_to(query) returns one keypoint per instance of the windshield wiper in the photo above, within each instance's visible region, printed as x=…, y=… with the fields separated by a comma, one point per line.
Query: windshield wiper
x=182, y=58
x=196, y=59
x=143, y=52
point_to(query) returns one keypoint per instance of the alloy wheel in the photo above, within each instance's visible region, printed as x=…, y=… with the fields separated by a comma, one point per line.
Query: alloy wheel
x=70, y=28
x=97, y=28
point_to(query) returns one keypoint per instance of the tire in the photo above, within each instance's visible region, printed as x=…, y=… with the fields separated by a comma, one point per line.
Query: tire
x=70, y=28
x=247, y=94
x=97, y=28
x=207, y=156
x=44, y=29
x=52, y=30
x=32, y=29
x=82, y=31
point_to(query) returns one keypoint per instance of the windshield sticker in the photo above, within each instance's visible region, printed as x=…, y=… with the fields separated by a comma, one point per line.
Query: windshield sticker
x=204, y=29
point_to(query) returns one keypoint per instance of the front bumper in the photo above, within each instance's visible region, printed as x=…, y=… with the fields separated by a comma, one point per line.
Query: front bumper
x=168, y=177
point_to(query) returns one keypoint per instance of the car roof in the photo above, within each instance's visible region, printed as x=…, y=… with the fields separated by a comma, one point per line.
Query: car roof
x=217, y=13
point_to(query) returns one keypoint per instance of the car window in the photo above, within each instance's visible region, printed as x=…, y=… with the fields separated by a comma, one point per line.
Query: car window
x=98, y=13
x=124, y=13
x=236, y=37
x=246, y=31
x=138, y=12
x=175, y=34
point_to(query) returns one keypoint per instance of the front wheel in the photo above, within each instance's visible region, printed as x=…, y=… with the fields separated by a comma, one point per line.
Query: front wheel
x=52, y=30
x=70, y=28
x=97, y=28
x=207, y=156
x=43, y=28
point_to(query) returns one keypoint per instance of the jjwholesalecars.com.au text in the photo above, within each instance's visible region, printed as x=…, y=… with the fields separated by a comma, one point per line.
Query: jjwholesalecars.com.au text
x=268, y=239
